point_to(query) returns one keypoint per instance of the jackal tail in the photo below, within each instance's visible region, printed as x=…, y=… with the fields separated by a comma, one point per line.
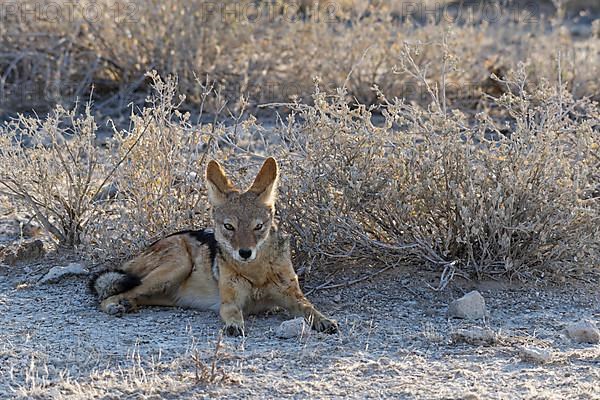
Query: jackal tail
x=110, y=283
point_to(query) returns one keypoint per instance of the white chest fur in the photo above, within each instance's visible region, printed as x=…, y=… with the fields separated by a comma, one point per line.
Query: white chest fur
x=188, y=299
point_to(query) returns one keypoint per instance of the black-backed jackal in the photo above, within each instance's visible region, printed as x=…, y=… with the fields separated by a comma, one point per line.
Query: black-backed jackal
x=240, y=266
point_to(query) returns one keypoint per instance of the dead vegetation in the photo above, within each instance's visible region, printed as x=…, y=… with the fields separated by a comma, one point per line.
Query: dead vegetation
x=51, y=165
x=269, y=51
x=517, y=198
x=210, y=373
x=487, y=166
x=487, y=197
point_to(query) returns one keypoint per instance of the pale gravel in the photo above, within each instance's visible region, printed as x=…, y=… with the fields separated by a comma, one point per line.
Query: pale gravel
x=395, y=343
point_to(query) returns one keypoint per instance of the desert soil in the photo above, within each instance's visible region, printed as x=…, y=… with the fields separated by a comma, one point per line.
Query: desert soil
x=396, y=341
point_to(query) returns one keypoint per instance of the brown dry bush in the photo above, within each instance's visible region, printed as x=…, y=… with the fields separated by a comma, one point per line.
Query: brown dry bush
x=157, y=187
x=51, y=166
x=270, y=56
x=107, y=200
x=479, y=197
x=517, y=197
x=510, y=188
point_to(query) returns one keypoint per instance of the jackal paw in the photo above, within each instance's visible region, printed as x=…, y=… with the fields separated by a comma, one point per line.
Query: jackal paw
x=325, y=325
x=117, y=308
x=233, y=330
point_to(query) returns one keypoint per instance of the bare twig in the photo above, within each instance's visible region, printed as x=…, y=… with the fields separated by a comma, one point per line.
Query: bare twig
x=352, y=282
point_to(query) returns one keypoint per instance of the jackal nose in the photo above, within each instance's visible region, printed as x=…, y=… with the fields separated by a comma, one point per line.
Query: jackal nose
x=245, y=253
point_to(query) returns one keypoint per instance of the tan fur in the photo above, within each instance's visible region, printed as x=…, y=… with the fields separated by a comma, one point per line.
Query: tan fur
x=255, y=271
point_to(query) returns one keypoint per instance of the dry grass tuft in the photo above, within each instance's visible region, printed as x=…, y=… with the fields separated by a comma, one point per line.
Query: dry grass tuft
x=210, y=374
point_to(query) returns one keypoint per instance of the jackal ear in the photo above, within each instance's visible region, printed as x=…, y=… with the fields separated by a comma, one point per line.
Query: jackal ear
x=217, y=183
x=265, y=183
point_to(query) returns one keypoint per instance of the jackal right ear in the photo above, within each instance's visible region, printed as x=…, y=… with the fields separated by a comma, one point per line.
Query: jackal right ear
x=265, y=183
x=217, y=183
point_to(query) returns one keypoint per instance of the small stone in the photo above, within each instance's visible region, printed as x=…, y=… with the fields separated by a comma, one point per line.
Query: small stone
x=337, y=298
x=584, y=331
x=56, y=273
x=476, y=336
x=535, y=354
x=470, y=306
x=296, y=327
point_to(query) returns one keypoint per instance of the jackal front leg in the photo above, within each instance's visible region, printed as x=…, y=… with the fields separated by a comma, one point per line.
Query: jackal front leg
x=233, y=298
x=292, y=299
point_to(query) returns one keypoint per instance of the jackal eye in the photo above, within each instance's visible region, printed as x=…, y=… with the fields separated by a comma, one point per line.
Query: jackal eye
x=229, y=227
x=258, y=227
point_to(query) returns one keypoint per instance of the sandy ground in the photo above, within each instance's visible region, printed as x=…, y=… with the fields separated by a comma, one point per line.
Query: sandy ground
x=395, y=342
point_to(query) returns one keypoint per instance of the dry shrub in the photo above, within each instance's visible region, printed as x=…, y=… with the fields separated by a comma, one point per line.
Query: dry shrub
x=271, y=56
x=518, y=198
x=51, y=167
x=55, y=50
x=159, y=182
x=108, y=200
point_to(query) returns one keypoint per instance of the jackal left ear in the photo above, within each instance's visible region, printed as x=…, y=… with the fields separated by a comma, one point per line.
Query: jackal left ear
x=265, y=183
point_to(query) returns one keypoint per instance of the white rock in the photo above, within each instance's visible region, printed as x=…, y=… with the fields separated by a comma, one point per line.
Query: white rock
x=296, y=327
x=476, y=336
x=535, y=354
x=470, y=306
x=584, y=331
x=56, y=273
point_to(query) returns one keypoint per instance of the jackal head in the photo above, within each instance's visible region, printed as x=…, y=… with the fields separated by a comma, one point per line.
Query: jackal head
x=242, y=220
